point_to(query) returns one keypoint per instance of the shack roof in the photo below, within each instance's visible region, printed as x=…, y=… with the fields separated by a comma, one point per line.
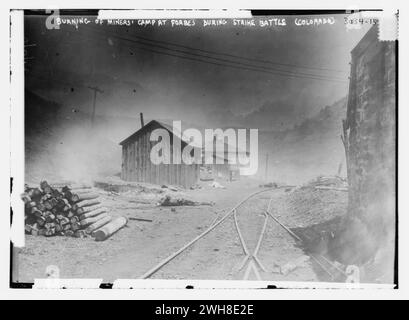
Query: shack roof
x=155, y=124
x=147, y=127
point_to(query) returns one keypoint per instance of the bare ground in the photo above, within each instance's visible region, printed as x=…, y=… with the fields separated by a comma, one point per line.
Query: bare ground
x=141, y=245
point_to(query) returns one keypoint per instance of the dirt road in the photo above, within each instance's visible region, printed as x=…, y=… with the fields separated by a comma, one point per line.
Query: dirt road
x=141, y=245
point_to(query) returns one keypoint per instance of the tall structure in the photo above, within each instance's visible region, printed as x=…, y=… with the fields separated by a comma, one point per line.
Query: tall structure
x=370, y=142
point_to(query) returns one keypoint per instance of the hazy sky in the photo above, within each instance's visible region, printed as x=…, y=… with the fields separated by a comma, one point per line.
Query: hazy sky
x=141, y=76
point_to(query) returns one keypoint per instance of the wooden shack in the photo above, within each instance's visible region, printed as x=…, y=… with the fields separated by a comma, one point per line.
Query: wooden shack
x=137, y=164
x=226, y=170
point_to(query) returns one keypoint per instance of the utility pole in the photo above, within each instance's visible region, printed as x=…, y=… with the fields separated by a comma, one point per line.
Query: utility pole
x=266, y=166
x=95, y=89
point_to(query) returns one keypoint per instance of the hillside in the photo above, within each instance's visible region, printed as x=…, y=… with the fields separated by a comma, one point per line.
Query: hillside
x=310, y=148
x=61, y=143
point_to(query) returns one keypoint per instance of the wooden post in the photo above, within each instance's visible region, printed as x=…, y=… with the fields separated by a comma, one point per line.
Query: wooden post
x=142, y=123
x=95, y=89
x=266, y=172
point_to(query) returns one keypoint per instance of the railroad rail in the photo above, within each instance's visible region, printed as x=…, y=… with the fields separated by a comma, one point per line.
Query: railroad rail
x=251, y=259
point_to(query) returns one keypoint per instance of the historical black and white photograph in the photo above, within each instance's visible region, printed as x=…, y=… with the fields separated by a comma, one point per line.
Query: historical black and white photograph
x=260, y=147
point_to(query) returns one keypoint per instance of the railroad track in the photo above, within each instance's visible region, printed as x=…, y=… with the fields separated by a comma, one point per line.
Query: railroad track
x=251, y=259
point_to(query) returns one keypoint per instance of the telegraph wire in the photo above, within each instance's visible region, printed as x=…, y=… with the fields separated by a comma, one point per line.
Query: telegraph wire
x=204, y=58
x=246, y=65
x=239, y=57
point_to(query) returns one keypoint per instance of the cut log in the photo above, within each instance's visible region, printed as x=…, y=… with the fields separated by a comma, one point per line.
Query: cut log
x=92, y=213
x=40, y=206
x=67, y=194
x=46, y=213
x=41, y=221
x=109, y=229
x=84, y=196
x=30, y=228
x=74, y=219
x=58, y=228
x=50, y=218
x=31, y=204
x=89, y=221
x=80, y=234
x=26, y=198
x=56, y=194
x=69, y=233
x=61, y=203
x=38, y=213
x=49, y=225
x=54, y=202
x=86, y=203
x=98, y=224
x=49, y=232
x=30, y=219
x=83, y=210
x=44, y=184
x=35, y=211
x=35, y=194
x=82, y=191
x=46, y=197
x=46, y=189
x=75, y=226
x=48, y=204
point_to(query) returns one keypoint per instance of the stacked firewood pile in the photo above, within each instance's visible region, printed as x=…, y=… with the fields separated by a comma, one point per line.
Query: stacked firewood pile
x=63, y=210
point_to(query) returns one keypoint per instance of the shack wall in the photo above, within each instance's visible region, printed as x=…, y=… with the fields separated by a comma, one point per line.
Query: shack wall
x=137, y=165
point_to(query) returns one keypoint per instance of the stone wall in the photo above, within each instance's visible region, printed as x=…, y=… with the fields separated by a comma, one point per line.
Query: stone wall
x=370, y=132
